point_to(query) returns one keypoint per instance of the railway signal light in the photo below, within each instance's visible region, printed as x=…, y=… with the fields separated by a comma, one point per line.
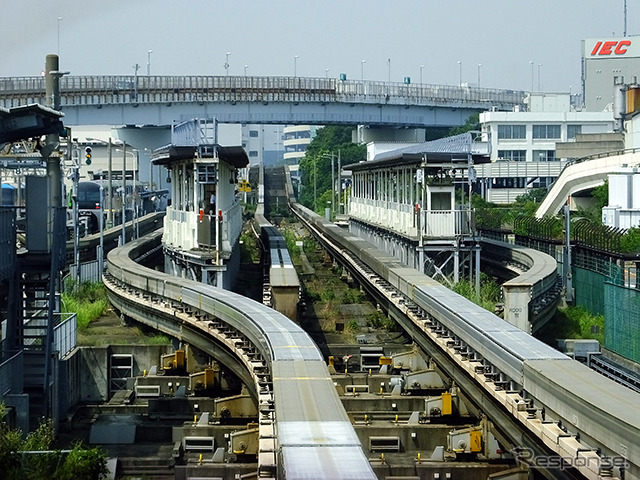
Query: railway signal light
x=87, y=155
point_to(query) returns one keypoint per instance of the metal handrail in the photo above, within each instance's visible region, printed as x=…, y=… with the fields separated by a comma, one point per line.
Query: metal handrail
x=232, y=86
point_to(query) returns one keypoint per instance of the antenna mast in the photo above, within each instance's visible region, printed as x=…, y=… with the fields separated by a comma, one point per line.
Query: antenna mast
x=625, y=19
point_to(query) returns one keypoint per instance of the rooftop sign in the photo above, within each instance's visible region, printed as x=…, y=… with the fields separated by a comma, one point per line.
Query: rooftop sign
x=611, y=47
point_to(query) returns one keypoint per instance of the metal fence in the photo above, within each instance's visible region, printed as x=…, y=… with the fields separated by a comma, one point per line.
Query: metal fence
x=11, y=372
x=88, y=272
x=65, y=336
x=622, y=322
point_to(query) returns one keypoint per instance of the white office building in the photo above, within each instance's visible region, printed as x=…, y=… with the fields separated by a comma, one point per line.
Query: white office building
x=522, y=144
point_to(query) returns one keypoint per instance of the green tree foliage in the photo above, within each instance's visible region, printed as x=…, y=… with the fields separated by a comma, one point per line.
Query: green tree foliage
x=630, y=241
x=79, y=463
x=316, y=164
x=472, y=123
x=601, y=194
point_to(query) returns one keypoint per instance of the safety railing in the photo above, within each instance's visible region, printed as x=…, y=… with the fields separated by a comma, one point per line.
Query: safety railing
x=11, y=372
x=101, y=89
x=65, y=333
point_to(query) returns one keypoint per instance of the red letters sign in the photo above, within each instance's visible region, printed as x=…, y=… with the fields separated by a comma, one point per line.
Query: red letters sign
x=609, y=47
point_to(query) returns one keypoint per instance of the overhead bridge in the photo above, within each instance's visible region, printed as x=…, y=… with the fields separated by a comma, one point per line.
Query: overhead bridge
x=162, y=100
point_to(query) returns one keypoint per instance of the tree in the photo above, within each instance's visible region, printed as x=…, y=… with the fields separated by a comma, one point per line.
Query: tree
x=315, y=167
x=472, y=123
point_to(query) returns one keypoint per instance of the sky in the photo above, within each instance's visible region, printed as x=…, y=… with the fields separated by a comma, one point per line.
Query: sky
x=374, y=39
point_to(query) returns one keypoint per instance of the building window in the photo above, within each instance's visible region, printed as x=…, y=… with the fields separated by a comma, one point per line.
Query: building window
x=253, y=153
x=508, y=182
x=253, y=133
x=543, y=155
x=508, y=132
x=207, y=173
x=512, y=155
x=573, y=130
x=546, y=131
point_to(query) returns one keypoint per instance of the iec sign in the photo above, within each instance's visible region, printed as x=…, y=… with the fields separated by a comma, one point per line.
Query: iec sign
x=611, y=47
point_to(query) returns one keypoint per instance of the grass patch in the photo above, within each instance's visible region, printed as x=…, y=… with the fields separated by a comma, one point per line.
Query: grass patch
x=87, y=300
x=573, y=322
x=489, y=292
x=353, y=295
x=249, y=249
x=158, y=340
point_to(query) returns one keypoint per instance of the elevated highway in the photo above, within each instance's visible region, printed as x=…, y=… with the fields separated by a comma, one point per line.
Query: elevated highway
x=160, y=100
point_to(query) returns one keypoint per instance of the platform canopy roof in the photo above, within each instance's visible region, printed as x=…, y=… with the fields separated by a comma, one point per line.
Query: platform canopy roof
x=28, y=121
x=234, y=156
x=455, y=150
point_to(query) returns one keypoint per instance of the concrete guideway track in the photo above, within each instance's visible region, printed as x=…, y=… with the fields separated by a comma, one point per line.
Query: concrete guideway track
x=539, y=398
x=304, y=430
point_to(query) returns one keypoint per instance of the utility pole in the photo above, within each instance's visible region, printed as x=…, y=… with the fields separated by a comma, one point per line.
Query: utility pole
x=124, y=192
x=110, y=188
x=101, y=246
x=333, y=186
x=76, y=216
x=339, y=182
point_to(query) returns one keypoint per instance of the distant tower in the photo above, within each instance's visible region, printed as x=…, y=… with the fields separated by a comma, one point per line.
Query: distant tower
x=624, y=32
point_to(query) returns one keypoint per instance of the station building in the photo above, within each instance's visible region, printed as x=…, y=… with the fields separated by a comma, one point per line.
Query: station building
x=203, y=224
x=404, y=202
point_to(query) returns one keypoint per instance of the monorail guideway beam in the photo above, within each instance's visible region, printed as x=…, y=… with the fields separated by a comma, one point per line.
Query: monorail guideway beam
x=164, y=320
x=509, y=431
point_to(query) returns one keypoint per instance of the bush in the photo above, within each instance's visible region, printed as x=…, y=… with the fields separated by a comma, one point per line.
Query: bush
x=353, y=326
x=79, y=463
x=353, y=295
x=88, y=300
x=490, y=292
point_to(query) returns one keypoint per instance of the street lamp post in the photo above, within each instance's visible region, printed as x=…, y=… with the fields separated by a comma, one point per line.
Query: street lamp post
x=226, y=64
x=134, y=194
x=460, y=73
x=421, y=69
x=539, y=86
x=59, y=20
x=479, y=65
x=149, y=52
x=123, y=192
x=136, y=67
x=295, y=65
x=389, y=67
x=362, y=62
x=245, y=70
x=531, y=63
x=326, y=73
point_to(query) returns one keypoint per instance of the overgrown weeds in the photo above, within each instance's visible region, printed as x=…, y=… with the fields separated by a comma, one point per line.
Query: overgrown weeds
x=87, y=300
